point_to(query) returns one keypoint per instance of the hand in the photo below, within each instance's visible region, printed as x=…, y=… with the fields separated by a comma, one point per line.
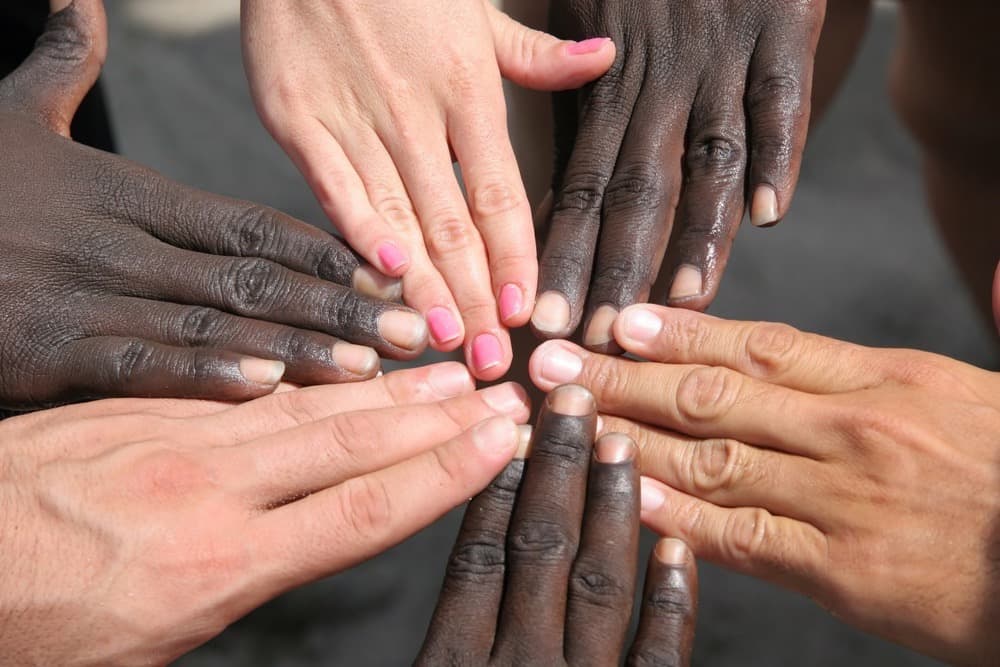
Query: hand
x=544, y=569
x=117, y=281
x=371, y=100
x=135, y=530
x=867, y=479
x=706, y=105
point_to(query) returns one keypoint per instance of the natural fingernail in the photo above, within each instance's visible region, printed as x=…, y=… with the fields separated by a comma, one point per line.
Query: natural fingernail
x=571, y=400
x=523, y=441
x=671, y=551
x=687, y=282
x=393, y=259
x=59, y=5
x=262, y=371
x=587, y=46
x=444, y=326
x=403, y=329
x=508, y=398
x=355, y=359
x=600, y=423
x=559, y=365
x=615, y=448
x=449, y=380
x=370, y=281
x=486, y=352
x=511, y=302
x=651, y=497
x=640, y=325
x=764, y=207
x=599, y=330
x=551, y=315
x=498, y=435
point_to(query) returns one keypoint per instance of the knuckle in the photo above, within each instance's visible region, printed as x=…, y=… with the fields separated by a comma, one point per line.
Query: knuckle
x=635, y=186
x=745, y=534
x=251, y=284
x=494, y=199
x=480, y=556
x=611, y=381
x=64, y=43
x=365, y=506
x=132, y=361
x=770, y=348
x=164, y=474
x=716, y=465
x=116, y=193
x=660, y=656
x=450, y=233
x=334, y=262
x=719, y=150
x=201, y=327
x=252, y=231
x=590, y=584
x=349, y=443
x=708, y=393
x=540, y=539
x=779, y=88
x=618, y=276
x=583, y=194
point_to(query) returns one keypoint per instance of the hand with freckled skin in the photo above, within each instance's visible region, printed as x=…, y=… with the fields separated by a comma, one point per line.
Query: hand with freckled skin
x=544, y=568
x=119, y=282
x=867, y=479
x=373, y=101
x=705, y=110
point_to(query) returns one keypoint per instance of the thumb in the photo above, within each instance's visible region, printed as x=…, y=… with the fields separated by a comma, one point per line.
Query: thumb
x=52, y=82
x=539, y=61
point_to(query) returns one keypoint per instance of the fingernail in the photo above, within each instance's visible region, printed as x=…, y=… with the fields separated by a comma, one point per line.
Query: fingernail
x=449, y=380
x=262, y=371
x=56, y=6
x=671, y=551
x=615, y=448
x=600, y=423
x=587, y=46
x=559, y=365
x=523, y=441
x=511, y=301
x=764, y=207
x=403, y=329
x=486, y=352
x=551, y=315
x=599, y=330
x=355, y=359
x=444, y=326
x=508, y=398
x=571, y=400
x=393, y=259
x=641, y=326
x=651, y=497
x=372, y=282
x=496, y=436
x=687, y=282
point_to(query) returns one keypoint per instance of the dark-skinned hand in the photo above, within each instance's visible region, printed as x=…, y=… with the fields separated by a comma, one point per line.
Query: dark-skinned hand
x=705, y=109
x=544, y=568
x=119, y=282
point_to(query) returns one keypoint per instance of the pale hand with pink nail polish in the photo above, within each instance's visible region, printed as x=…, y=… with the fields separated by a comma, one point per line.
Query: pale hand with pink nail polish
x=486, y=352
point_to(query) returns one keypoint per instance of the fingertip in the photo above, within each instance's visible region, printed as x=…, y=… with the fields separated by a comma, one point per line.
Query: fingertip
x=393, y=261
x=652, y=497
x=445, y=328
x=404, y=329
x=516, y=304
x=614, y=448
x=262, y=371
x=489, y=355
x=672, y=552
x=371, y=282
x=599, y=331
x=554, y=363
x=571, y=400
x=638, y=326
x=497, y=437
x=764, y=210
x=551, y=317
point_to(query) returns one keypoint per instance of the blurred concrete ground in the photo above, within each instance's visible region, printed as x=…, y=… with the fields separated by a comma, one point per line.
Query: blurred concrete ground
x=857, y=259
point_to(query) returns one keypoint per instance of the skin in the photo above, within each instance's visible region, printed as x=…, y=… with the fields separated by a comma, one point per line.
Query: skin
x=849, y=474
x=136, y=529
x=703, y=115
x=374, y=120
x=119, y=282
x=544, y=568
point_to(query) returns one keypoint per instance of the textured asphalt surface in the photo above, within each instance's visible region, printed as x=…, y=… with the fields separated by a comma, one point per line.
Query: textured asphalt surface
x=857, y=258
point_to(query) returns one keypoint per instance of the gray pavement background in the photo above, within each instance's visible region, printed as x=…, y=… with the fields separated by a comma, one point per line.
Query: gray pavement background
x=857, y=258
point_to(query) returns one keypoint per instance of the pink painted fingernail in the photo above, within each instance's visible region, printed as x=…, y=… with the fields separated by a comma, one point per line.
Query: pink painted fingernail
x=587, y=46
x=444, y=327
x=511, y=301
x=393, y=259
x=486, y=352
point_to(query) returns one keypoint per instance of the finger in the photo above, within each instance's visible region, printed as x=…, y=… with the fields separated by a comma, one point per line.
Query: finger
x=456, y=249
x=309, y=356
x=767, y=351
x=602, y=583
x=749, y=540
x=120, y=366
x=711, y=205
x=285, y=410
x=702, y=401
x=341, y=193
x=342, y=526
x=777, y=103
x=545, y=530
x=62, y=68
x=568, y=255
x=464, y=624
x=260, y=289
x=352, y=444
x=537, y=60
x=638, y=213
x=728, y=472
x=669, y=607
